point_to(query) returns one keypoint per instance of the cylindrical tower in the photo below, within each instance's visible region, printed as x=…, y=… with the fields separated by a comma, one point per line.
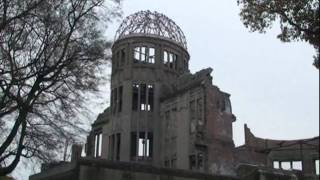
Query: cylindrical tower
x=149, y=54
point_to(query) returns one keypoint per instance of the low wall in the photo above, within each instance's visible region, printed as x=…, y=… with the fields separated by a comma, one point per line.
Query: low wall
x=99, y=169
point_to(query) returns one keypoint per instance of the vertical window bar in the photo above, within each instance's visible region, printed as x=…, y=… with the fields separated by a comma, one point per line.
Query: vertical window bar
x=135, y=97
x=118, y=146
x=143, y=94
x=120, y=98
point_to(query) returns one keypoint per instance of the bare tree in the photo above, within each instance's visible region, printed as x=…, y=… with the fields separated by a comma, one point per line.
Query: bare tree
x=299, y=19
x=51, y=52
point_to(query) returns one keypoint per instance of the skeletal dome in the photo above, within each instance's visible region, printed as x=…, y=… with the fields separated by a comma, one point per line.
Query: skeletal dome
x=147, y=23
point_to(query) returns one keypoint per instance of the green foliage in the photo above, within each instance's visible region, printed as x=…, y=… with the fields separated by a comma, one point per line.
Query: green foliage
x=299, y=19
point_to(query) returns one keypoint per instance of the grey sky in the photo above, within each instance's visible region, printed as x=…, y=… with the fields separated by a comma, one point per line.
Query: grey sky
x=273, y=86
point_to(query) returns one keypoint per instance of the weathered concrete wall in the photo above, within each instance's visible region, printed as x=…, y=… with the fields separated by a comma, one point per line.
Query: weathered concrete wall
x=265, y=152
x=198, y=129
x=253, y=172
x=219, y=132
x=98, y=169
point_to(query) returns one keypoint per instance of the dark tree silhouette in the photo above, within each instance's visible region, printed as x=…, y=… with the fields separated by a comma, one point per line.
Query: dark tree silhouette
x=299, y=19
x=51, y=52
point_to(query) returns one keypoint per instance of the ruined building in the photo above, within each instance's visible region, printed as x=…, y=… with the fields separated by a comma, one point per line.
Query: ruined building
x=166, y=123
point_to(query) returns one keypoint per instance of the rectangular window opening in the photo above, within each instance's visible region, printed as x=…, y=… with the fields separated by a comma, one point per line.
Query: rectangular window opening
x=98, y=145
x=144, y=145
x=144, y=54
x=115, y=100
x=111, y=146
x=286, y=165
x=151, y=57
x=165, y=57
x=118, y=146
x=297, y=165
x=136, y=54
x=150, y=98
x=120, y=98
x=175, y=61
x=143, y=99
x=192, y=162
x=317, y=166
x=133, y=144
x=170, y=60
x=276, y=165
x=135, y=89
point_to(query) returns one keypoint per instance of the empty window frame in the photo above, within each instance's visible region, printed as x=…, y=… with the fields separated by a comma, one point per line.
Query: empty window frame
x=98, y=145
x=144, y=54
x=174, y=162
x=170, y=60
x=145, y=144
x=196, y=162
x=114, y=100
x=288, y=165
x=150, y=97
x=200, y=164
x=166, y=163
x=118, y=138
x=133, y=144
x=141, y=146
x=185, y=64
x=135, y=96
x=120, y=89
x=192, y=162
x=296, y=165
x=142, y=97
x=111, y=146
x=227, y=104
x=317, y=166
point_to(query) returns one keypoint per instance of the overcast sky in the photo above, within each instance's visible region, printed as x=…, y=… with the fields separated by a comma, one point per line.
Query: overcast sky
x=274, y=87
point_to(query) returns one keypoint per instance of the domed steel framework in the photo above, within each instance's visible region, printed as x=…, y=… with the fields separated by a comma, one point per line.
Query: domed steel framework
x=151, y=23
